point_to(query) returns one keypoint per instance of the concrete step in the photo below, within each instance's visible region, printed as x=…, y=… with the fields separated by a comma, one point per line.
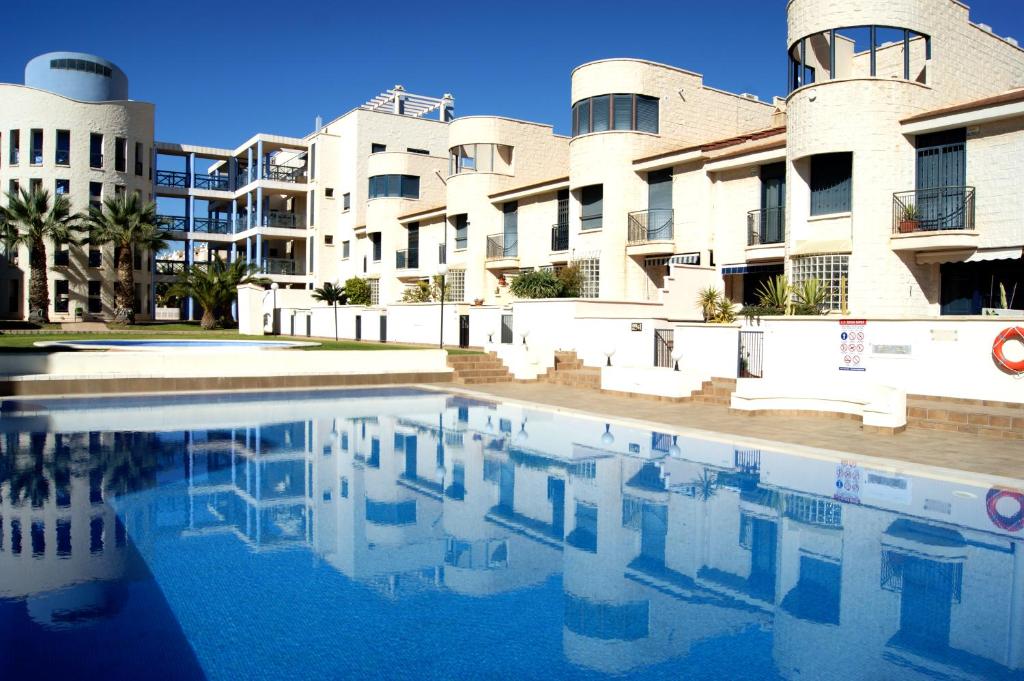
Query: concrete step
x=993, y=420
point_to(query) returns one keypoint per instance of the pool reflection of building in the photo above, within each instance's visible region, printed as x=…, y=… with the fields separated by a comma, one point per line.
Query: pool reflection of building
x=662, y=544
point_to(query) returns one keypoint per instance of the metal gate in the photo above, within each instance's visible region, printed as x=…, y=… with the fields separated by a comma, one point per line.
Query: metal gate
x=463, y=330
x=383, y=329
x=749, y=357
x=506, y=328
x=359, y=327
x=663, y=344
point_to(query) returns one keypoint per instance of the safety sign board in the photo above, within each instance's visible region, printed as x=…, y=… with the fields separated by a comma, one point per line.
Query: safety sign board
x=852, y=342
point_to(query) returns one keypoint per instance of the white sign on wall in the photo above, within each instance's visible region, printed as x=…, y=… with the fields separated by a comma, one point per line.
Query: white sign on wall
x=852, y=342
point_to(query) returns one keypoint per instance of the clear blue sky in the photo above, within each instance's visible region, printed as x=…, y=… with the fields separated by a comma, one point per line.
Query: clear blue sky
x=219, y=71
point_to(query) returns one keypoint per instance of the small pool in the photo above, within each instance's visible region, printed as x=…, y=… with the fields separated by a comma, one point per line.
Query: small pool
x=183, y=344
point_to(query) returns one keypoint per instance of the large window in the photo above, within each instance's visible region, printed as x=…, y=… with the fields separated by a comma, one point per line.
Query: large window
x=62, y=155
x=480, y=158
x=375, y=246
x=615, y=112
x=81, y=65
x=590, y=271
x=860, y=52
x=95, y=297
x=120, y=154
x=404, y=186
x=461, y=231
x=95, y=150
x=831, y=269
x=592, y=207
x=831, y=182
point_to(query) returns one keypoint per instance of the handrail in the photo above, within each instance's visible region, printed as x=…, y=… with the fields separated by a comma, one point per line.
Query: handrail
x=653, y=224
x=172, y=223
x=280, y=218
x=766, y=226
x=211, y=225
x=280, y=173
x=933, y=209
x=280, y=266
x=498, y=248
x=559, y=237
x=171, y=178
x=215, y=182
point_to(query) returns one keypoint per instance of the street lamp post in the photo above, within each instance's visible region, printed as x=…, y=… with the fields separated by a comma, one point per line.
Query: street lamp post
x=442, y=271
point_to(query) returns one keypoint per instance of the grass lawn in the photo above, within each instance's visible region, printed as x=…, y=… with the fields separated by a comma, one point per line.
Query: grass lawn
x=26, y=343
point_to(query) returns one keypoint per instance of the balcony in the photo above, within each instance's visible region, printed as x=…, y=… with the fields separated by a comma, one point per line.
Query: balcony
x=279, y=173
x=559, y=238
x=172, y=223
x=502, y=251
x=283, y=266
x=221, y=183
x=766, y=233
x=934, y=219
x=170, y=267
x=172, y=178
x=651, y=232
x=211, y=225
x=284, y=219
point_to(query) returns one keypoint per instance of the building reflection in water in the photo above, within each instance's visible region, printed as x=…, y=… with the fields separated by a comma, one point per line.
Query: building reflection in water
x=662, y=544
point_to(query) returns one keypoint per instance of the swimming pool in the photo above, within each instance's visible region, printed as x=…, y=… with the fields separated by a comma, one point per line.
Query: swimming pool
x=182, y=344
x=399, y=533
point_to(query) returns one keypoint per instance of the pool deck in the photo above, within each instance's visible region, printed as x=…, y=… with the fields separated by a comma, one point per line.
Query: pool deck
x=958, y=451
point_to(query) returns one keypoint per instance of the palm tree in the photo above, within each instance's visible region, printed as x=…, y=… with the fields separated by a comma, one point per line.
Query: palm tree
x=213, y=285
x=36, y=219
x=333, y=296
x=128, y=223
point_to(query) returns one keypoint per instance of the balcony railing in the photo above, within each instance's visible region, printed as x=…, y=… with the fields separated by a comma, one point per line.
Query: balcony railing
x=498, y=247
x=559, y=237
x=243, y=178
x=934, y=209
x=284, y=173
x=171, y=178
x=216, y=182
x=211, y=225
x=281, y=266
x=173, y=223
x=170, y=266
x=766, y=226
x=280, y=218
x=655, y=224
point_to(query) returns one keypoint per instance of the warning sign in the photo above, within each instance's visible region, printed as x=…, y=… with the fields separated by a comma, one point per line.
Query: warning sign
x=848, y=482
x=851, y=343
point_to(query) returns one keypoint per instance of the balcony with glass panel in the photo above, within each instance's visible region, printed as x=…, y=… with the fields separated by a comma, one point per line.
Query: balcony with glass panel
x=502, y=251
x=651, y=232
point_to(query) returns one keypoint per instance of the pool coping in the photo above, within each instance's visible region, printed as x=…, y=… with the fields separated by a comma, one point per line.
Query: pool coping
x=884, y=464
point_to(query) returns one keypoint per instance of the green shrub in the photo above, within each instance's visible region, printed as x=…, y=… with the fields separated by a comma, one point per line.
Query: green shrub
x=571, y=280
x=538, y=284
x=358, y=291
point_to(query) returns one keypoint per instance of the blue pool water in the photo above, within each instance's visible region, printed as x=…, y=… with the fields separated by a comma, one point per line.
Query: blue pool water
x=396, y=533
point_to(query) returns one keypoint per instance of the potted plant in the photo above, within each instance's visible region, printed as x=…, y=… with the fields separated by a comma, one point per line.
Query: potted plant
x=477, y=302
x=909, y=220
x=79, y=314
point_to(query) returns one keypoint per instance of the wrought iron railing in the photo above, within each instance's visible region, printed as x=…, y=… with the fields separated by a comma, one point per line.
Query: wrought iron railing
x=173, y=223
x=499, y=247
x=655, y=224
x=934, y=209
x=284, y=173
x=559, y=237
x=280, y=266
x=216, y=182
x=171, y=178
x=280, y=218
x=766, y=226
x=211, y=225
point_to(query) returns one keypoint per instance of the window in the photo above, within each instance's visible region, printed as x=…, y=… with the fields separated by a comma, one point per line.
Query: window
x=480, y=158
x=138, y=158
x=95, y=194
x=376, y=148
x=590, y=271
x=375, y=243
x=328, y=239
x=95, y=255
x=615, y=112
x=412, y=244
x=119, y=189
x=404, y=186
x=461, y=231
x=345, y=246
x=37, y=147
x=62, y=295
x=120, y=154
x=374, y=291
x=62, y=155
x=591, y=206
x=346, y=201
x=455, y=286
x=15, y=144
x=312, y=208
x=312, y=161
x=413, y=150
x=61, y=255
x=830, y=269
x=831, y=180
x=13, y=186
x=95, y=150
x=62, y=187
x=81, y=65
x=329, y=192
x=35, y=184
x=95, y=297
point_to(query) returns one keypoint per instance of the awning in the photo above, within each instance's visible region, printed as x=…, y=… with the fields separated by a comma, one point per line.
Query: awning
x=771, y=268
x=822, y=246
x=685, y=259
x=970, y=255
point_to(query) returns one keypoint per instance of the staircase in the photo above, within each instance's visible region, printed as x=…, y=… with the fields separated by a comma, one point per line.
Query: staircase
x=569, y=370
x=994, y=420
x=476, y=369
x=716, y=391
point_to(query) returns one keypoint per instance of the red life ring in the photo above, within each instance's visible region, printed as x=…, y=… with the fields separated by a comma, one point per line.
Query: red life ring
x=1012, y=523
x=1012, y=333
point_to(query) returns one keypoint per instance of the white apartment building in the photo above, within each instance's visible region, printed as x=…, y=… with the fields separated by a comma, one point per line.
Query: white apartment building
x=887, y=172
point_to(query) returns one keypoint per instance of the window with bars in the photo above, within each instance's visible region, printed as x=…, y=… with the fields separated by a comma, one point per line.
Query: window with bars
x=831, y=269
x=590, y=271
x=455, y=286
x=622, y=111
